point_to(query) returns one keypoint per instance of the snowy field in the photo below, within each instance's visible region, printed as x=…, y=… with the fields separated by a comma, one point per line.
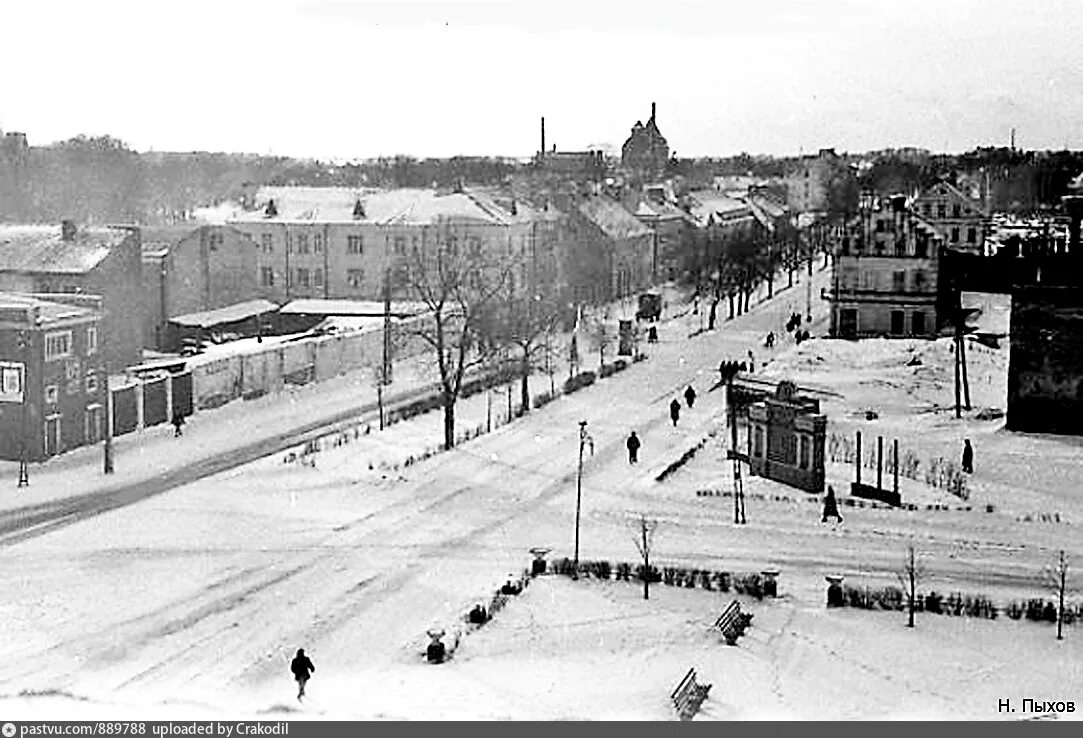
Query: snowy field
x=189, y=604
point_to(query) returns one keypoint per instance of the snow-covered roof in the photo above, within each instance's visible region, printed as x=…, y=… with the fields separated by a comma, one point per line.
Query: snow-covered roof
x=41, y=248
x=313, y=306
x=14, y=303
x=611, y=217
x=229, y=314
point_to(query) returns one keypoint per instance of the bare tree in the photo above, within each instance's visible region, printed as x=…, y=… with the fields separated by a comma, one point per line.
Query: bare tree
x=460, y=289
x=524, y=323
x=1056, y=577
x=912, y=573
x=602, y=335
x=644, y=540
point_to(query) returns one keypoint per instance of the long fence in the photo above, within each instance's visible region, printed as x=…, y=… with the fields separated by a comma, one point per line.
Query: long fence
x=155, y=399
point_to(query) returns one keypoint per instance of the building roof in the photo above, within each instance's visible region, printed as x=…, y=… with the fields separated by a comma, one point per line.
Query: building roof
x=611, y=217
x=706, y=205
x=162, y=238
x=660, y=211
x=15, y=306
x=40, y=248
x=385, y=207
x=228, y=314
x=361, y=308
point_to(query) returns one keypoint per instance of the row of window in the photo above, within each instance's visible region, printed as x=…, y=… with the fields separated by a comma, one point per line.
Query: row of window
x=89, y=384
x=355, y=245
x=59, y=344
x=355, y=277
x=872, y=279
x=798, y=441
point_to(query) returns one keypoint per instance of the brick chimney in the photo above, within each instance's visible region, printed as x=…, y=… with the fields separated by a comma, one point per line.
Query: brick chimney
x=68, y=230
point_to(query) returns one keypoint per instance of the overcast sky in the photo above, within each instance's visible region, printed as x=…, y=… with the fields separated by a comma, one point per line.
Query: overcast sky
x=360, y=78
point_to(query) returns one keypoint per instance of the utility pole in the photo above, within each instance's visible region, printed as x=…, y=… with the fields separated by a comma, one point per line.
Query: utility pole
x=24, y=473
x=107, y=442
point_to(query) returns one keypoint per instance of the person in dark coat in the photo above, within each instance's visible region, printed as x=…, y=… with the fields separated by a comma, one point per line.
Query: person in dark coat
x=751, y=363
x=633, y=448
x=178, y=424
x=690, y=396
x=675, y=411
x=302, y=669
x=968, y=457
x=831, y=506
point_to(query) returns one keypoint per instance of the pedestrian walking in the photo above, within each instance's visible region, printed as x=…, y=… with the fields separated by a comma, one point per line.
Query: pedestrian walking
x=675, y=411
x=831, y=506
x=178, y=424
x=751, y=362
x=690, y=396
x=968, y=457
x=633, y=448
x=302, y=669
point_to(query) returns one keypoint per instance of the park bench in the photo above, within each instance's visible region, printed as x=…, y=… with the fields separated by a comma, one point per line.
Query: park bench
x=733, y=623
x=689, y=695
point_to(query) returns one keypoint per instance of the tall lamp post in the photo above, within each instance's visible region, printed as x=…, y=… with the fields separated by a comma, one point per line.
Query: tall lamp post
x=584, y=439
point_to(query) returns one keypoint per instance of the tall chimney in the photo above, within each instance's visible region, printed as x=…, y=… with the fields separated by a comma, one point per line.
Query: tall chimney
x=67, y=230
x=652, y=110
x=542, y=149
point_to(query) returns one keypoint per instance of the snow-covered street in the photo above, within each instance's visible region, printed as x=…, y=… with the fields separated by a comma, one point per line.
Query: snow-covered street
x=190, y=603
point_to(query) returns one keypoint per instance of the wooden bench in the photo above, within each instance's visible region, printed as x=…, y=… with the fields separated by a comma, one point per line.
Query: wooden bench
x=733, y=623
x=689, y=695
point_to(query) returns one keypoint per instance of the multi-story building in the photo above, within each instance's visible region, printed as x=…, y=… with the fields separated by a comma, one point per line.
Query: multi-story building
x=960, y=219
x=52, y=374
x=645, y=152
x=815, y=182
x=670, y=235
x=342, y=243
x=90, y=261
x=191, y=269
x=886, y=272
x=727, y=230
x=606, y=253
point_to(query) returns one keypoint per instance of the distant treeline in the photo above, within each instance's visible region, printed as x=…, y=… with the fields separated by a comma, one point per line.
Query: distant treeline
x=100, y=180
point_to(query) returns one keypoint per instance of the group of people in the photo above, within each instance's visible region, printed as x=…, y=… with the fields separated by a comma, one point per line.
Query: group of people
x=633, y=444
x=729, y=369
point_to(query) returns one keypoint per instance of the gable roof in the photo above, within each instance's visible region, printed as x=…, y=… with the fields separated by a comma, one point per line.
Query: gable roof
x=40, y=248
x=611, y=217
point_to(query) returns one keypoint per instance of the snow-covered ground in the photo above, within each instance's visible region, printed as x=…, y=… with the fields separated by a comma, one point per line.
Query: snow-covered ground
x=189, y=604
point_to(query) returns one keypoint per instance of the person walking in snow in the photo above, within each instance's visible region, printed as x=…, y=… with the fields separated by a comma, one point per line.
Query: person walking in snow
x=968, y=457
x=675, y=412
x=831, y=506
x=633, y=448
x=751, y=362
x=178, y=424
x=302, y=669
x=690, y=396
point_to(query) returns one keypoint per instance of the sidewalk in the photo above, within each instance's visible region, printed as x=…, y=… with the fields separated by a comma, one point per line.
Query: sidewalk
x=153, y=452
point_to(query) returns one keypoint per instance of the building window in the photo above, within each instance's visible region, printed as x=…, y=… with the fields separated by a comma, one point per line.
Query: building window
x=941, y=210
x=215, y=240
x=803, y=458
x=898, y=281
x=268, y=242
x=354, y=277
x=11, y=381
x=57, y=345
x=355, y=245
x=955, y=235
x=317, y=243
x=921, y=247
x=919, y=280
x=91, y=340
x=91, y=383
x=52, y=394
x=757, y=449
x=267, y=277
x=971, y=235
x=927, y=208
x=317, y=277
x=898, y=322
x=400, y=245
x=917, y=323
x=302, y=277
x=956, y=211
x=879, y=225
x=302, y=243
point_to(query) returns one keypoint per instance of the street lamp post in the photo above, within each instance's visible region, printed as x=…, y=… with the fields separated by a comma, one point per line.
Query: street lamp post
x=584, y=438
x=24, y=474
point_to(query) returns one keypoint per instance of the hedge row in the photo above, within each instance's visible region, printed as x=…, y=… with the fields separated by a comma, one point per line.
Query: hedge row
x=753, y=585
x=955, y=604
